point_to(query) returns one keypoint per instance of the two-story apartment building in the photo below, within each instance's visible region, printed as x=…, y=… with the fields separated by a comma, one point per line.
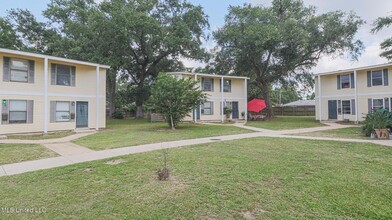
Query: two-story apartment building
x=353, y=93
x=41, y=93
x=221, y=91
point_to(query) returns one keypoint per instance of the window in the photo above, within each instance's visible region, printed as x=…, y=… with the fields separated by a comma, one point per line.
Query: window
x=377, y=78
x=62, y=111
x=18, y=112
x=19, y=70
x=378, y=104
x=207, y=108
x=345, y=81
x=207, y=84
x=226, y=85
x=63, y=75
x=346, y=106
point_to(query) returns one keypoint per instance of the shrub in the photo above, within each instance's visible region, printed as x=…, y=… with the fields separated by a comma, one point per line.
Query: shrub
x=118, y=115
x=164, y=172
x=379, y=119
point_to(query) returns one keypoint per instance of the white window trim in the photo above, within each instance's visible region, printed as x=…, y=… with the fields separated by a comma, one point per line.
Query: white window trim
x=382, y=77
x=69, y=111
x=350, y=105
x=9, y=111
x=349, y=81
x=211, y=108
x=212, y=84
x=70, y=75
x=28, y=70
x=223, y=89
x=383, y=102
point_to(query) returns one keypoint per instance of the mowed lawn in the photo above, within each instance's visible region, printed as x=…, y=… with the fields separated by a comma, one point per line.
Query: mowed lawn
x=41, y=136
x=351, y=133
x=130, y=132
x=286, y=122
x=258, y=178
x=15, y=153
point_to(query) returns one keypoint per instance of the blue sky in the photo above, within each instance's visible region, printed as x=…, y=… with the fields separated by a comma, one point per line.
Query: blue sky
x=369, y=10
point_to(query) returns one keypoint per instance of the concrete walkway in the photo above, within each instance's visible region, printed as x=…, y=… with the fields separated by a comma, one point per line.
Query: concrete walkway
x=47, y=141
x=61, y=146
x=84, y=155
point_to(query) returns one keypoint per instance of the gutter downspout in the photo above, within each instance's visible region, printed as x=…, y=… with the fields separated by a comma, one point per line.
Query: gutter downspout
x=246, y=99
x=222, y=98
x=97, y=100
x=46, y=106
x=195, y=110
x=356, y=96
x=319, y=97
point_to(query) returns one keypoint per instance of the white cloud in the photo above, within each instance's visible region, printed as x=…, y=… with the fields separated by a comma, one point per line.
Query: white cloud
x=369, y=11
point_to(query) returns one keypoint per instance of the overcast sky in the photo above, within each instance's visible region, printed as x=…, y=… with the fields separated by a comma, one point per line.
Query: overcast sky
x=369, y=10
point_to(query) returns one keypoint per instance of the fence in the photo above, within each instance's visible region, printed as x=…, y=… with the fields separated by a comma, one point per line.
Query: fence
x=295, y=111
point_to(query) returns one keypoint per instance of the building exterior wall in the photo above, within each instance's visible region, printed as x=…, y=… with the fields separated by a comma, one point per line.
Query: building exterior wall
x=238, y=94
x=360, y=94
x=85, y=89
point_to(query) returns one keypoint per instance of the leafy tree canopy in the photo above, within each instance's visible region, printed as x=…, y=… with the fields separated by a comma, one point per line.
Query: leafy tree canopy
x=282, y=42
x=386, y=45
x=175, y=98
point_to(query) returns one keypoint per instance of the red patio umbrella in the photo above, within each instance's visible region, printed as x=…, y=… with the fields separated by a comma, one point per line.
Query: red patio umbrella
x=256, y=105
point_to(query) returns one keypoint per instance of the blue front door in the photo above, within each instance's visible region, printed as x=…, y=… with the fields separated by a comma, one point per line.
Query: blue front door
x=235, y=114
x=332, y=109
x=81, y=114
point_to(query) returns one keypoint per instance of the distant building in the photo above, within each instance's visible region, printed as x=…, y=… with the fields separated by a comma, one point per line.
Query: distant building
x=233, y=95
x=353, y=93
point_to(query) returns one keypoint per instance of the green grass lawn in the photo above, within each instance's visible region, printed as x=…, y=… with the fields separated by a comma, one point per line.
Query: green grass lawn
x=351, y=132
x=130, y=132
x=41, y=136
x=15, y=153
x=286, y=122
x=260, y=178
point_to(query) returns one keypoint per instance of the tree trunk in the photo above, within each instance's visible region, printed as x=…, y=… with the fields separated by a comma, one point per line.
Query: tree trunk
x=265, y=89
x=139, y=110
x=111, y=90
x=172, y=123
x=141, y=96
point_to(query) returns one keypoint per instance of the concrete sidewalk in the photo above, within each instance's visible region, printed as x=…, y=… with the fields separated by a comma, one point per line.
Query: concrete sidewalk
x=48, y=141
x=18, y=168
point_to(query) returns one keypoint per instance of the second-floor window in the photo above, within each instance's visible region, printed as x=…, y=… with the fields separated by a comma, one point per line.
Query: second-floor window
x=207, y=84
x=19, y=70
x=226, y=85
x=377, y=78
x=345, y=81
x=63, y=75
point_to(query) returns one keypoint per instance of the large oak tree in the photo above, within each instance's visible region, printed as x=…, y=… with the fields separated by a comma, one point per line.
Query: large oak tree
x=386, y=45
x=137, y=38
x=282, y=42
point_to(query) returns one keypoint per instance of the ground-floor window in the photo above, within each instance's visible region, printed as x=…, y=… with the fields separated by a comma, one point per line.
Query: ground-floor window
x=62, y=111
x=378, y=104
x=207, y=108
x=18, y=112
x=346, y=106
